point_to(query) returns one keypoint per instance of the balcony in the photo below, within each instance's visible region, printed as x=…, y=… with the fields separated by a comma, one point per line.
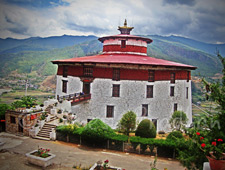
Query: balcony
x=75, y=98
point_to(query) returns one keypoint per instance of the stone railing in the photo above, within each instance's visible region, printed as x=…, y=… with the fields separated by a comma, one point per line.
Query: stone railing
x=74, y=98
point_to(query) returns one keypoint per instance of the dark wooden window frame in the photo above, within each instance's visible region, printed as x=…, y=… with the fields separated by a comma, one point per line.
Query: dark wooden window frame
x=116, y=90
x=64, y=86
x=144, y=110
x=172, y=78
x=172, y=90
x=65, y=71
x=109, y=111
x=151, y=75
x=12, y=119
x=150, y=91
x=187, y=92
x=175, y=107
x=88, y=72
x=123, y=43
x=116, y=74
x=188, y=76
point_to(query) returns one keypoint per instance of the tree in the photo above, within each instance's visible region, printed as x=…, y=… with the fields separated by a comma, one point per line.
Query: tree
x=192, y=157
x=3, y=109
x=146, y=129
x=179, y=120
x=127, y=122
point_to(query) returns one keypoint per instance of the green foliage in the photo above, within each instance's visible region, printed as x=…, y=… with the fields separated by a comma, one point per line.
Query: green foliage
x=26, y=101
x=3, y=109
x=127, y=122
x=179, y=120
x=194, y=156
x=96, y=130
x=146, y=129
x=169, y=144
x=67, y=129
x=175, y=135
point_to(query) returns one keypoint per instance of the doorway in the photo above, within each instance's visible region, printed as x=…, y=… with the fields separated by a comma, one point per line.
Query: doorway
x=86, y=88
x=20, y=125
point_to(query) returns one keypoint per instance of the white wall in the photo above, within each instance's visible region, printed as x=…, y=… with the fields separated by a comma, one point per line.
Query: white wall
x=132, y=96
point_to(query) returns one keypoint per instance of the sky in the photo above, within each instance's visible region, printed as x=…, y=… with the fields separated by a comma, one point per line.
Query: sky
x=202, y=20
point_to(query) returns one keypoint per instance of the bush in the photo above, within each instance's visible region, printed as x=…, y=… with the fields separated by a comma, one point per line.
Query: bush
x=127, y=123
x=67, y=129
x=146, y=129
x=97, y=131
x=175, y=135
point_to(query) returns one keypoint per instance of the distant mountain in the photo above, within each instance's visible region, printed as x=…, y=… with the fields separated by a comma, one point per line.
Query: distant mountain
x=34, y=55
x=11, y=45
x=205, y=47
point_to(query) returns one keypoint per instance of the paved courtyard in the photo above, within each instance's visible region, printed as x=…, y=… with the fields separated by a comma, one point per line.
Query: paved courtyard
x=12, y=155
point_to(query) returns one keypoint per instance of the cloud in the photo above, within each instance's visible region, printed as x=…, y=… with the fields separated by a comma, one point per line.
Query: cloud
x=202, y=20
x=181, y=2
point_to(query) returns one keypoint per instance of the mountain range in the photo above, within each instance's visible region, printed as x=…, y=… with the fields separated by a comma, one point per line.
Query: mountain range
x=34, y=55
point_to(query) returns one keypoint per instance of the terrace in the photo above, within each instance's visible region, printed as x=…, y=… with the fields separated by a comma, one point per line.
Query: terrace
x=75, y=98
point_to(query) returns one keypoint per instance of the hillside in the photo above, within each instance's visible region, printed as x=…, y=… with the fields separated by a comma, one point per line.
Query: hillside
x=33, y=55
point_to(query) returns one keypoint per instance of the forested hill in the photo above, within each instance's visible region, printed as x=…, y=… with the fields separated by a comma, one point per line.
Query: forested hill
x=33, y=55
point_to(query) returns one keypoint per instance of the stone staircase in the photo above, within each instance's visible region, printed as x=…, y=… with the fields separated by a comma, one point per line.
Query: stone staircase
x=44, y=133
x=49, y=108
x=53, y=118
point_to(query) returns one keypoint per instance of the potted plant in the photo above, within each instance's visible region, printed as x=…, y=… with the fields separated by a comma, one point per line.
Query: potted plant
x=36, y=129
x=42, y=120
x=40, y=157
x=214, y=150
x=104, y=166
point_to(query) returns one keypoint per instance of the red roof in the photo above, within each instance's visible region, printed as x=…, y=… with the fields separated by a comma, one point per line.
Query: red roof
x=148, y=40
x=123, y=59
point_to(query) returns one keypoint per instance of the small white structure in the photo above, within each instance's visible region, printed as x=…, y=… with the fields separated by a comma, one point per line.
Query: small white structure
x=124, y=79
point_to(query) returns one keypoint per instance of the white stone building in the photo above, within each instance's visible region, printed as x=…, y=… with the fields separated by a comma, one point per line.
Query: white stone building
x=123, y=78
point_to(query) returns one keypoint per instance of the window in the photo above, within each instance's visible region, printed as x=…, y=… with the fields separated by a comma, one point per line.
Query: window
x=12, y=119
x=154, y=121
x=144, y=110
x=175, y=107
x=110, y=111
x=123, y=43
x=88, y=120
x=65, y=71
x=172, y=91
x=116, y=74
x=86, y=88
x=149, y=91
x=116, y=90
x=151, y=75
x=172, y=78
x=88, y=71
x=188, y=76
x=64, y=86
x=186, y=92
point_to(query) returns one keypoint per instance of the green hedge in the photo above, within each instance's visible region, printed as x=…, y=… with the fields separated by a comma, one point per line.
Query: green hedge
x=171, y=144
x=95, y=129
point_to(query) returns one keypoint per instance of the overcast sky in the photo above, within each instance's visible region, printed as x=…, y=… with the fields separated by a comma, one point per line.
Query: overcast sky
x=202, y=20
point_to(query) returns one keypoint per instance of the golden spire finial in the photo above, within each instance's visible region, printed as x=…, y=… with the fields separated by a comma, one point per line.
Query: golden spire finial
x=125, y=23
x=125, y=29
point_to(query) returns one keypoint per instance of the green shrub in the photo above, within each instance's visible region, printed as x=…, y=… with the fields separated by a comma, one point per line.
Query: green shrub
x=67, y=129
x=127, y=123
x=175, y=135
x=97, y=131
x=146, y=129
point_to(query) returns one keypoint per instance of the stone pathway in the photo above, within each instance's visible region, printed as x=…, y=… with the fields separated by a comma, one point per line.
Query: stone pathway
x=68, y=155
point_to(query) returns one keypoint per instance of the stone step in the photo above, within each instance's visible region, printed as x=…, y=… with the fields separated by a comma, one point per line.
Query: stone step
x=44, y=135
x=42, y=138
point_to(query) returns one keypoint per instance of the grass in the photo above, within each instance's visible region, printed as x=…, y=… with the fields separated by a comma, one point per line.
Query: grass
x=16, y=95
